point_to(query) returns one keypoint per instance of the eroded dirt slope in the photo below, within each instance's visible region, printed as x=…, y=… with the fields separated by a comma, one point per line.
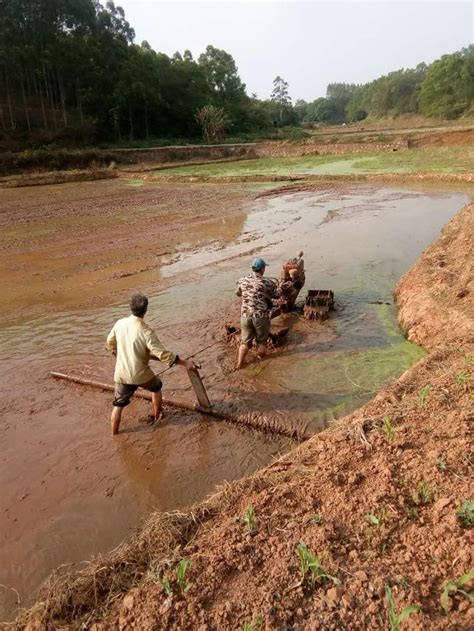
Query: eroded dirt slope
x=376, y=499
x=435, y=299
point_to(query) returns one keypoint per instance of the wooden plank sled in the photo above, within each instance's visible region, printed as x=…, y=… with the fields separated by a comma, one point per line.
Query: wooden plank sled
x=199, y=389
x=245, y=421
x=141, y=395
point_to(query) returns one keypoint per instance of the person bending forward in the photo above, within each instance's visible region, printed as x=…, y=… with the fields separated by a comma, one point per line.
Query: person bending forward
x=257, y=295
x=134, y=343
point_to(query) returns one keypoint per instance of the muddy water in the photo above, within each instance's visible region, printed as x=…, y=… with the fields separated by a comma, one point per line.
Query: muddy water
x=85, y=491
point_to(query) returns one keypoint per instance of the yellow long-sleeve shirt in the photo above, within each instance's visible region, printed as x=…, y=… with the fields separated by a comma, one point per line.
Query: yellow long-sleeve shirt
x=134, y=342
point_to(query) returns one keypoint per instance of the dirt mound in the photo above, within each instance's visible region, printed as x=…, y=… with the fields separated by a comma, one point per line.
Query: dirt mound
x=380, y=502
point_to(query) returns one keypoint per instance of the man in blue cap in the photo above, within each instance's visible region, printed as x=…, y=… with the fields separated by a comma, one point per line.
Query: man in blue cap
x=257, y=295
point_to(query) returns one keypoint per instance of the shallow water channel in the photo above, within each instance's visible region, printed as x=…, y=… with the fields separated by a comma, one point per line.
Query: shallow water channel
x=86, y=491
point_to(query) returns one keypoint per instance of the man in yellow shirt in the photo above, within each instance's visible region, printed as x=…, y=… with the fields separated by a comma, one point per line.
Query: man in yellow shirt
x=135, y=343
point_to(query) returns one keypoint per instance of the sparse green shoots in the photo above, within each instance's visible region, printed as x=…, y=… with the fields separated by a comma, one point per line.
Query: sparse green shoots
x=424, y=493
x=462, y=377
x=249, y=518
x=255, y=625
x=465, y=513
x=395, y=619
x=423, y=394
x=377, y=519
x=456, y=587
x=166, y=586
x=441, y=463
x=181, y=570
x=316, y=519
x=388, y=429
x=310, y=565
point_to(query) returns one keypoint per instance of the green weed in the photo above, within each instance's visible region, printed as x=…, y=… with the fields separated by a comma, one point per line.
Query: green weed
x=389, y=430
x=255, y=625
x=424, y=494
x=423, y=394
x=316, y=519
x=455, y=587
x=166, y=586
x=377, y=519
x=249, y=518
x=462, y=377
x=181, y=570
x=465, y=514
x=395, y=619
x=311, y=566
x=441, y=463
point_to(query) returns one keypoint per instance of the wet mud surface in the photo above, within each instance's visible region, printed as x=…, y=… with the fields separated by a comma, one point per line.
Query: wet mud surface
x=71, y=254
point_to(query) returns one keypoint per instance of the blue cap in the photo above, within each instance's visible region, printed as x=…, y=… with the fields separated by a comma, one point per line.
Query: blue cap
x=259, y=264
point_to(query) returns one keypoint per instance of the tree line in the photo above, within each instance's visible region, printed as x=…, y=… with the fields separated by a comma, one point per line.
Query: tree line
x=73, y=65
x=443, y=89
x=71, y=69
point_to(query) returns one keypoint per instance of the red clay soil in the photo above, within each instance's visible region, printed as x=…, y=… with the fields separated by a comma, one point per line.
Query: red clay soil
x=378, y=507
x=458, y=138
x=367, y=144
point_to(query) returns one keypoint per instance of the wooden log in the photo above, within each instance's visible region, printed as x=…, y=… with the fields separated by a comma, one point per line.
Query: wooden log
x=142, y=395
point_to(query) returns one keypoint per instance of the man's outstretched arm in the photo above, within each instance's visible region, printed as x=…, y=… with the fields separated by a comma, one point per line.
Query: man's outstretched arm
x=159, y=352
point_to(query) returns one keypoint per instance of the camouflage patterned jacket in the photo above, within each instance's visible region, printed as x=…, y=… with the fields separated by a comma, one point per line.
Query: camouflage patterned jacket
x=257, y=294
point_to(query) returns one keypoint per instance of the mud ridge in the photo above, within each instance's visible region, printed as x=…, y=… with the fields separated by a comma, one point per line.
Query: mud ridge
x=411, y=481
x=356, y=177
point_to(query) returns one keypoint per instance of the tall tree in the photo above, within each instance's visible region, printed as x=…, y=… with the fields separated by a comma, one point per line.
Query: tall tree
x=281, y=96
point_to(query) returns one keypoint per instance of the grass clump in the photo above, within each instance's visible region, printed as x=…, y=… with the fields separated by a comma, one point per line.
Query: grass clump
x=310, y=565
x=456, y=587
x=166, y=586
x=424, y=494
x=248, y=518
x=423, y=394
x=462, y=377
x=465, y=513
x=441, y=464
x=388, y=429
x=181, y=570
x=377, y=519
x=180, y=581
x=255, y=625
x=316, y=519
x=396, y=618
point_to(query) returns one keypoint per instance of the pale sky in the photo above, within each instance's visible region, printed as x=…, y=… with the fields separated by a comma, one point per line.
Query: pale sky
x=309, y=44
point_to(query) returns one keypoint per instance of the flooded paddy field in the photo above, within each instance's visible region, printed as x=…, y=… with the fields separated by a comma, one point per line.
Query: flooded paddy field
x=70, y=256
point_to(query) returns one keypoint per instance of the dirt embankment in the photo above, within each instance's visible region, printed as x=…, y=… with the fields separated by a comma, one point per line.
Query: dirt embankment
x=378, y=500
x=335, y=145
x=449, y=178
x=435, y=299
x=34, y=167
x=57, y=160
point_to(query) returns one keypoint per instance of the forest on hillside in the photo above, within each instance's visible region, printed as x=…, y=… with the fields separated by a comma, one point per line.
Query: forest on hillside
x=71, y=72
